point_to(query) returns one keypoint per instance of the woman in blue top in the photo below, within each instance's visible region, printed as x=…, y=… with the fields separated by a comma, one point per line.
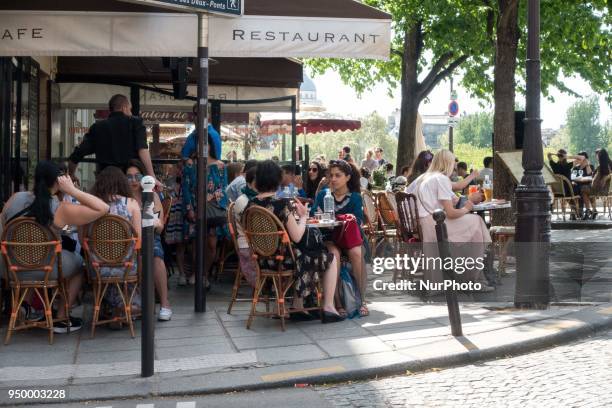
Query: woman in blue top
x=215, y=192
x=344, y=182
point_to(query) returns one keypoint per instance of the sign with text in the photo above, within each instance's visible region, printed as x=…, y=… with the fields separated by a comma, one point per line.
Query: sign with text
x=307, y=37
x=64, y=33
x=227, y=7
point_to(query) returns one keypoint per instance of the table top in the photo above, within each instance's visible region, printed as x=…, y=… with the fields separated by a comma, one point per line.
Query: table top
x=492, y=205
x=324, y=224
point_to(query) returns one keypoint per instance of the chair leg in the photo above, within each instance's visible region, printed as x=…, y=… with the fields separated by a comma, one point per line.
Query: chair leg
x=237, y=281
x=127, y=305
x=258, y=285
x=97, y=289
x=280, y=300
x=13, y=318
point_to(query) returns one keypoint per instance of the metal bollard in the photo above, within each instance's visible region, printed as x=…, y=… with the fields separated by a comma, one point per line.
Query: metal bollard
x=451, y=297
x=147, y=348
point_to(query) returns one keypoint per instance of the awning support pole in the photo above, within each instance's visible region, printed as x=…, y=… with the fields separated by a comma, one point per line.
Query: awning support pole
x=293, y=130
x=202, y=128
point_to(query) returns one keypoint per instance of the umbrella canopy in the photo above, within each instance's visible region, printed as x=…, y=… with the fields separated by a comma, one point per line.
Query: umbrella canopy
x=308, y=126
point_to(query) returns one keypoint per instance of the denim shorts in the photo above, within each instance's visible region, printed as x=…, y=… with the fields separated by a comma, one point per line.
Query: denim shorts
x=158, y=249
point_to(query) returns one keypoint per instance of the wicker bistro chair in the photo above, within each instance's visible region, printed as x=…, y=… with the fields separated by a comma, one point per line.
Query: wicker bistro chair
x=30, y=247
x=372, y=219
x=562, y=196
x=111, y=242
x=604, y=196
x=388, y=217
x=269, y=241
x=409, y=227
x=239, y=279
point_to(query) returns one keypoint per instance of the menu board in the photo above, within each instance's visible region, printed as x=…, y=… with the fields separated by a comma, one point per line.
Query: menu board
x=513, y=161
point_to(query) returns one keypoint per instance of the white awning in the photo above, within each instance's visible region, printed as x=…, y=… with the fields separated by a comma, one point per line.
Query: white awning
x=96, y=96
x=52, y=33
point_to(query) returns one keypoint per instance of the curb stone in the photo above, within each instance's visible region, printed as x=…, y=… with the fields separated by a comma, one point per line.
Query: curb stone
x=178, y=386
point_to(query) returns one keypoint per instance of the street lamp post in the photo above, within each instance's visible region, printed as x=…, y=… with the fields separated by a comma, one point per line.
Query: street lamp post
x=532, y=198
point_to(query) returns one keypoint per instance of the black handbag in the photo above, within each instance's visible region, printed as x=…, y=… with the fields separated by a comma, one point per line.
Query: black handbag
x=216, y=216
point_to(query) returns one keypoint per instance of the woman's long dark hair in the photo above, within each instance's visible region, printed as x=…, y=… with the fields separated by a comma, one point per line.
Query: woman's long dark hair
x=45, y=177
x=605, y=165
x=420, y=165
x=311, y=186
x=348, y=169
x=110, y=183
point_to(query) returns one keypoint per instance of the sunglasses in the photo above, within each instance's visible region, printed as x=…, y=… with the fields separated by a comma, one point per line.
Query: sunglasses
x=313, y=169
x=134, y=177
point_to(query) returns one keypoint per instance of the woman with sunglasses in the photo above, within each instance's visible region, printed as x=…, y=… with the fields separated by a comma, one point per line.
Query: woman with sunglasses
x=346, y=188
x=316, y=173
x=134, y=173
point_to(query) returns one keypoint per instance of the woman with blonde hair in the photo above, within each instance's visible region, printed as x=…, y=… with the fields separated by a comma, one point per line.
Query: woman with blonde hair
x=434, y=191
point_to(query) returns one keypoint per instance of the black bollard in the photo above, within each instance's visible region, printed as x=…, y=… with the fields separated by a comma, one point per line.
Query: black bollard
x=147, y=348
x=444, y=252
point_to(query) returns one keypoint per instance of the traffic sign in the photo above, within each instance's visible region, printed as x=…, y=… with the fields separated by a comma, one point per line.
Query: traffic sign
x=225, y=7
x=453, y=121
x=453, y=95
x=453, y=108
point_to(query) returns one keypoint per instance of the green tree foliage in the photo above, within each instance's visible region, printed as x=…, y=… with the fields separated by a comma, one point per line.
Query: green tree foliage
x=373, y=133
x=433, y=38
x=585, y=132
x=475, y=129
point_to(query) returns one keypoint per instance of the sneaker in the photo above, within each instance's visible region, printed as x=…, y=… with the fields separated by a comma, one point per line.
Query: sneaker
x=165, y=314
x=182, y=281
x=63, y=327
x=587, y=215
x=594, y=215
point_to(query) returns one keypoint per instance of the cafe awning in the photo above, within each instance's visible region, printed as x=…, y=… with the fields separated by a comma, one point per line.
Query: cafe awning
x=269, y=28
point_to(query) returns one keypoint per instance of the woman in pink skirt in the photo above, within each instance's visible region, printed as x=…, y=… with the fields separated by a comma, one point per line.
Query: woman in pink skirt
x=467, y=232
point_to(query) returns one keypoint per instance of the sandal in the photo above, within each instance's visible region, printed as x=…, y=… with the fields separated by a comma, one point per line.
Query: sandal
x=363, y=310
x=341, y=311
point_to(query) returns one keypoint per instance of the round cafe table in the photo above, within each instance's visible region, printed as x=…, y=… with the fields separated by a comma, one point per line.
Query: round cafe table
x=330, y=224
x=490, y=206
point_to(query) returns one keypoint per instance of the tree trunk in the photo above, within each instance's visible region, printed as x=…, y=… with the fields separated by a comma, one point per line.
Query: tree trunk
x=410, y=97
x=504, y=94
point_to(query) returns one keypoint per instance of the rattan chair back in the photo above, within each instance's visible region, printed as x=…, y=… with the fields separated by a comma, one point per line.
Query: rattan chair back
x=369, y=209
x=166, y=206
x=231, y=224
x=386, y=210
x=29, y=246
x=111, y=241
x=408, y=211
x=568, y=190
x=266, y=233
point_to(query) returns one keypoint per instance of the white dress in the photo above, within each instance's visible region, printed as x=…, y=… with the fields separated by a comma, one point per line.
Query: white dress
x=468, y=234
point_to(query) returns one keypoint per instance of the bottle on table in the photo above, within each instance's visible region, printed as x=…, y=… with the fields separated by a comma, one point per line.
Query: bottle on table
x=487, y=187
x=328, y=206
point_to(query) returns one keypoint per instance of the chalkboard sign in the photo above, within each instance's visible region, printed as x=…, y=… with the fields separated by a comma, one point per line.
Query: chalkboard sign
x=513, y=161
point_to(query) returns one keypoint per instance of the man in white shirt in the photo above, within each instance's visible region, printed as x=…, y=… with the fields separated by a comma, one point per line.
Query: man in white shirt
x=488, y=169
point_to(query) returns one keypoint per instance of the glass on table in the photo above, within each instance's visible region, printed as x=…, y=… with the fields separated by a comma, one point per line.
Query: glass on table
x=473, y=189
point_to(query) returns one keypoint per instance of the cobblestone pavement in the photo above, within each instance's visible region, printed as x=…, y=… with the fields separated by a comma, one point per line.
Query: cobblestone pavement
x=574, y=375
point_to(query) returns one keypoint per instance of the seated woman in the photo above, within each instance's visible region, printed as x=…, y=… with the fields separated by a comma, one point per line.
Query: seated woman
x=43, y=205
x=434, y=191
x=247, y=265
x=582, y=168
x=316, y=173
x=135, y=173
x=112, y=187
x=267, y=180
x=344, y=182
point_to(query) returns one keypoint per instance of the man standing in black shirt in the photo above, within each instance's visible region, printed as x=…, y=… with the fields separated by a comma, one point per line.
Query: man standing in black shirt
x=116, y=140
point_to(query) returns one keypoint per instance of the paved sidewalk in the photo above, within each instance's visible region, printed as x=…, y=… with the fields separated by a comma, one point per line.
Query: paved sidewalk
x=214, y=352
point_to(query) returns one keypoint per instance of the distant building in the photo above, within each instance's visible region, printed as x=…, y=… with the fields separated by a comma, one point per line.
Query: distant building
x=548, y=134
x=308, y=96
